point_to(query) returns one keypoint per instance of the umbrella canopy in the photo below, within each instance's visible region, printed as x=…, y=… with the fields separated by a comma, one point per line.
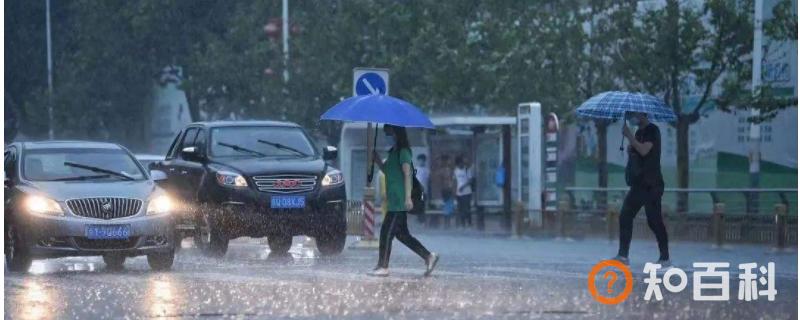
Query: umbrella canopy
x=614, y=104
x=378, y=108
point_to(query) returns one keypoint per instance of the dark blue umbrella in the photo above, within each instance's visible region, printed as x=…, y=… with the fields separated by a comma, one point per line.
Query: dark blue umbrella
x=380, y=109
x=613, y=105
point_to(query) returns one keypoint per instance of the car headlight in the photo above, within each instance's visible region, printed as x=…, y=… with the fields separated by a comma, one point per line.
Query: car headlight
x=333, y=178
x=160, y=204
x=42, y=205
x=231, y=179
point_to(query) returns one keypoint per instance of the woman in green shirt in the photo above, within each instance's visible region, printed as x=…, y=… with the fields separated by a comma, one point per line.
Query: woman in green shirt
x=397, y=170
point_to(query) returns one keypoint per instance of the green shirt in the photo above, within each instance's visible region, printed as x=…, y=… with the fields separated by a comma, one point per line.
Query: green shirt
x=395, y=183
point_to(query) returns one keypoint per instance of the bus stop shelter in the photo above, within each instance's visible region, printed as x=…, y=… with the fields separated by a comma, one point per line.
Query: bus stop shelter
x=486, y=143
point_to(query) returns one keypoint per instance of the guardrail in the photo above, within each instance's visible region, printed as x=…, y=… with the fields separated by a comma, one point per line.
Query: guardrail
x=737, y=200
x=718, y=225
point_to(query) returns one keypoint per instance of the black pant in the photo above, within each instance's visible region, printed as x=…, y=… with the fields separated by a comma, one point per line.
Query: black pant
x=396, y=225
x=464, y=214
x=650, y=198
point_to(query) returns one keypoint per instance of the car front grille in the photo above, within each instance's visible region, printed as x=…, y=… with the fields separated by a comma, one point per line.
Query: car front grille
x=286, y=183
x=105, y=208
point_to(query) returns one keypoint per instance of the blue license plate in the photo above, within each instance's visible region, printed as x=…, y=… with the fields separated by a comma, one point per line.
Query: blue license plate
x=110, y=231
x=287, y=202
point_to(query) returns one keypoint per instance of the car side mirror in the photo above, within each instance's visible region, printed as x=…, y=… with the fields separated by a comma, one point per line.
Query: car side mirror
x=191, y=153
x=158, y=175
x=330, y=153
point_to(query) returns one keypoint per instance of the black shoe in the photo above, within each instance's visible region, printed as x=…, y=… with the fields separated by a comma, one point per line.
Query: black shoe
x=622, y=259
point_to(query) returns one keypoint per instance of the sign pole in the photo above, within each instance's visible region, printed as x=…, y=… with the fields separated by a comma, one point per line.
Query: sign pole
x=369, y=81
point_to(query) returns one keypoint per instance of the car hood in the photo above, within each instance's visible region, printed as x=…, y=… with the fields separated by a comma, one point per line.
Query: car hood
x=64, y=190
x=256, y=166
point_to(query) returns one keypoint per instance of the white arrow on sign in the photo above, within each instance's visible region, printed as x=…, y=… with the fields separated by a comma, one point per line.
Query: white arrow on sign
x=369, y=86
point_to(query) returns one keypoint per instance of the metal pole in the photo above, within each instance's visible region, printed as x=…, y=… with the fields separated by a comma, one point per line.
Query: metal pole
x=507, y=178
x=718, y=224
x=780, y=223
x=755, y=128
x=285, y=30
x=50, y=133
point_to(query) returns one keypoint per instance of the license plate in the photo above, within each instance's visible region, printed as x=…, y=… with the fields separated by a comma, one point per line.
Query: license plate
x=287, y=202
x=113, y=231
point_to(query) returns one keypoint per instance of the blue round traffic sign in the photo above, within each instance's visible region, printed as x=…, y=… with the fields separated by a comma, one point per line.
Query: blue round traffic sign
x=370, y=83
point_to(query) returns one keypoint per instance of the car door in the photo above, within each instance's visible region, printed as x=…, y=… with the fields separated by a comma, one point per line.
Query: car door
x=162, y=165
x=173, y=164
x=166, y=166
x=184, y=167
x=192, y=169
x=10, y=174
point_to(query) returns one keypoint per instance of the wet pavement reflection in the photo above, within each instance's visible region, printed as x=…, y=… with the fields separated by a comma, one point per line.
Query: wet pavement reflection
x=486, y=278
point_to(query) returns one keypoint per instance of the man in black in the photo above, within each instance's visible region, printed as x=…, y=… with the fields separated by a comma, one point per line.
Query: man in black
x=643, y=175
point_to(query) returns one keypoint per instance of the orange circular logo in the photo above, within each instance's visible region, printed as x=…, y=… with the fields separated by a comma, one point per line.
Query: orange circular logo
x=610, y=276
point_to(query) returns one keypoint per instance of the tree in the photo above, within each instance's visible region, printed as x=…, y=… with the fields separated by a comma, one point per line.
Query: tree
x=676, y=47
x=610, y=24
x=783, y=25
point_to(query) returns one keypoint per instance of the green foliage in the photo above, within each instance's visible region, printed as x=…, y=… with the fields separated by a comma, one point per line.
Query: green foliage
x=445, y=56
x=783, y=25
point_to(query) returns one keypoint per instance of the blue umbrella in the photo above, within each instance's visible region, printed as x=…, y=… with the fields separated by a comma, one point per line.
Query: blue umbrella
x=380, y=109
x=613, y=105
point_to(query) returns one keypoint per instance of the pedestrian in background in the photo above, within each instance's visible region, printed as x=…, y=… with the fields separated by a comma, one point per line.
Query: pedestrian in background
x=398, y=172
x=463, y=179
x=643, y=175
x=447, y=187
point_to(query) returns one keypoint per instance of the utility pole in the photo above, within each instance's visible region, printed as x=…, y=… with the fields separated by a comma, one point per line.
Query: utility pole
x=285, y=30
x=755, y=128
x=50, y=134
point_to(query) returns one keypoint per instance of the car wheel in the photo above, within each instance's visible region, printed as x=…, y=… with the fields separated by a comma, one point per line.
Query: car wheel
x=210, y=239
x=161, y=261
x=331, y=243
x=17, y=257
x=279, y=243
x=114, y=261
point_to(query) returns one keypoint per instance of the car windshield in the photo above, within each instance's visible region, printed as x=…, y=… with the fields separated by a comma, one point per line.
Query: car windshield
x=74, y=164
x=263, y=141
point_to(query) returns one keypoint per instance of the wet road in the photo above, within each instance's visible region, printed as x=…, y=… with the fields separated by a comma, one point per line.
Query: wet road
x=478, y=277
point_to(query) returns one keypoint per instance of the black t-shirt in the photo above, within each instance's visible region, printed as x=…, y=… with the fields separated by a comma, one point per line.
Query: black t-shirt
x=650, y=164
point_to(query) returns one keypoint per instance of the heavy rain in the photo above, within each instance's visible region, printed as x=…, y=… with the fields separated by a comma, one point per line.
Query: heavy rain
x=379, y=159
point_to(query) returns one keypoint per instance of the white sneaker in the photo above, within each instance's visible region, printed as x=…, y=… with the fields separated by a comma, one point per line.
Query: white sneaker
x=430, y=263
x=379, y=272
